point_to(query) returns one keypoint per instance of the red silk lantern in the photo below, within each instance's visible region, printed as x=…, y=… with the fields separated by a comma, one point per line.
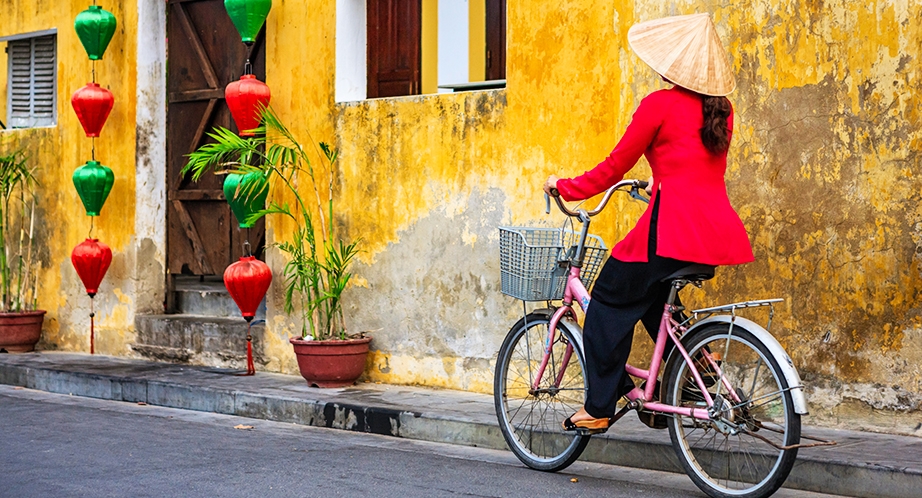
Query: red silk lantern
x=91, y=259
x=92, y=104
x=245, y=98
x=247, y=281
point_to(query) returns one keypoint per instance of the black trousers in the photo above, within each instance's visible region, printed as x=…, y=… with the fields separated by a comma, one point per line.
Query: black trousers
x=624, y=293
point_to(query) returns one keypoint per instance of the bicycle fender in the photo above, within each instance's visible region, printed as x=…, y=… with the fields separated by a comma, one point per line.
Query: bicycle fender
x=774, y=347
x=571, y=325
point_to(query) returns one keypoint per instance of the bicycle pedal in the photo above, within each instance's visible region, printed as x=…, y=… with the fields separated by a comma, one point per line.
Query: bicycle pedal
x=591, y=432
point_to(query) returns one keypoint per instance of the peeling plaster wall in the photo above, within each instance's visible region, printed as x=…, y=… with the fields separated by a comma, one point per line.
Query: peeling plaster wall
x=822, y=171
x=130, y=222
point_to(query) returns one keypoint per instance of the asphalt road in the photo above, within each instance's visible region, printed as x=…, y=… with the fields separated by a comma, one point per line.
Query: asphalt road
x=63, y=446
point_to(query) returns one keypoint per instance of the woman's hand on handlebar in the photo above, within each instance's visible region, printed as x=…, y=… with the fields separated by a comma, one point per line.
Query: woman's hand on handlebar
x=550, y=185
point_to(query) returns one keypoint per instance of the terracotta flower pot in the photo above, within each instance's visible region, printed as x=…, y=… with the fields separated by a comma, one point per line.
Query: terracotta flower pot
x=331, y=363
x=19, y=332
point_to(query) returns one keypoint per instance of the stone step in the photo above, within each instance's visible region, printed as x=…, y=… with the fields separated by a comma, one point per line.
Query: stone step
x=209, y=297
x=197, y=340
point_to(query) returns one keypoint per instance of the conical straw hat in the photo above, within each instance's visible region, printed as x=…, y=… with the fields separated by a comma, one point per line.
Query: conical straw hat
x=685, y=50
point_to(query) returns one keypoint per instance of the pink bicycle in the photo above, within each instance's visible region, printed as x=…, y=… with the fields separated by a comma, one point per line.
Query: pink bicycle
x=729, y=394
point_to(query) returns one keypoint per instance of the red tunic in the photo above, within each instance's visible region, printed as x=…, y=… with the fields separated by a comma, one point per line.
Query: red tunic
x=696, y=221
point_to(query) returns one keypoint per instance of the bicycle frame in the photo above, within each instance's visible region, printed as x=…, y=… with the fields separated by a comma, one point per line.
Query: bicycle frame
x=668, y=328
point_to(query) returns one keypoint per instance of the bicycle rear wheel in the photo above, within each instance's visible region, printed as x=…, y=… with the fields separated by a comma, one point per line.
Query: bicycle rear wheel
x=739, y=452
x=530, y=418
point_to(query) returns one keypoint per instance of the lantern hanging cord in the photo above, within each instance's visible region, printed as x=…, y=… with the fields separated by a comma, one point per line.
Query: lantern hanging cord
x=93, y=148
x=89, y=234
x=248, y=67
x=94, y=69
x=246, y=245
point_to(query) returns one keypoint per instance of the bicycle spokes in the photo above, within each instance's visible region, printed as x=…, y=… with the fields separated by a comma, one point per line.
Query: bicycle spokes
x=535, y=392
x=745, y=446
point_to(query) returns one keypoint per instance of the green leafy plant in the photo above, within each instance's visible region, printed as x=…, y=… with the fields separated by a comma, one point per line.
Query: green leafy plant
x=18, y=279
x=316, y=273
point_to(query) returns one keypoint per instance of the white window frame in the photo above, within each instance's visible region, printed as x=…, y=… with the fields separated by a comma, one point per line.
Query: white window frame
x=452, y=59
x=42, y=85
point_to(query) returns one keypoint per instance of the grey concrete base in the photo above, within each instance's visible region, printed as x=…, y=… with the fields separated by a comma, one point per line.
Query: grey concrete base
x=862, y=464
x=207, y=298
x=197, y=340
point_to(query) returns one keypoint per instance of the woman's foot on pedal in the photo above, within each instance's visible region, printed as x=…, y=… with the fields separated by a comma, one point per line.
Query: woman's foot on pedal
x=581, y=421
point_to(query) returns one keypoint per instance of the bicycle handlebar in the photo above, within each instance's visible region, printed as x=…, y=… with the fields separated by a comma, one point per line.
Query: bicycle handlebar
x=635, y=185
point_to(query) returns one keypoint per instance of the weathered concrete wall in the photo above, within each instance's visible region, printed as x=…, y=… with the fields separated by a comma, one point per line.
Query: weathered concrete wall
x=821, y=170
x=824, y=175
x=134, y=282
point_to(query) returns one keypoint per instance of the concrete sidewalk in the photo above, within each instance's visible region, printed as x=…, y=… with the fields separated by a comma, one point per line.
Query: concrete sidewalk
x=861, y=464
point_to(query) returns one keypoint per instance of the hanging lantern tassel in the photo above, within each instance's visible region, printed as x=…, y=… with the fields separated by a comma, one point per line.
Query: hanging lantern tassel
x=92, y=325
x=245, y=98
x=251, y=368
x=247, y=281
x=92, y=104
x=91, y=259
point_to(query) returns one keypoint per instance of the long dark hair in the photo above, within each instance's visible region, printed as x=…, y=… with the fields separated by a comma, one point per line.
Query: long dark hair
x=714, y=134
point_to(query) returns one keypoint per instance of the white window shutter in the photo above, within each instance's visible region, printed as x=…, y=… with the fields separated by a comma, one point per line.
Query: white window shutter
x=32, y=82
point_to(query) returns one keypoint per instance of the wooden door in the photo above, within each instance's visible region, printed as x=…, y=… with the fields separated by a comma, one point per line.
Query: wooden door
x=394, y=30
x=204, y=55
x=496, y=39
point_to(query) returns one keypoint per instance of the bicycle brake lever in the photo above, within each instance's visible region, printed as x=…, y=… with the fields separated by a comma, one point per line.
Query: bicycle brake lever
x=637, y=195
x=547, y=204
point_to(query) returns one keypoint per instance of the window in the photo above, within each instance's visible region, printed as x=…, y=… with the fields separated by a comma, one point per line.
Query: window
x=387, y=48
x=31, y=99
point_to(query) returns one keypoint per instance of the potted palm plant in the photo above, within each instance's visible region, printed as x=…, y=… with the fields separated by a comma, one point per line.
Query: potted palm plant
x=300, y=188
x=20, y=321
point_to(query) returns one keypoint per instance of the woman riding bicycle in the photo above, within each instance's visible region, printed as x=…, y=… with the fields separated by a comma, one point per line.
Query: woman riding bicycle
x=684, y=132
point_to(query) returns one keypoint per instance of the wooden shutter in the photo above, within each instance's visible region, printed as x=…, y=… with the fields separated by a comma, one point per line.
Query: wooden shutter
x=32, y=88
x=394, y=30
x=496, y=40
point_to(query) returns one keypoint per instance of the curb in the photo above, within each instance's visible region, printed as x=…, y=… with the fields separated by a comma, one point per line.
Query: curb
x=852, y=468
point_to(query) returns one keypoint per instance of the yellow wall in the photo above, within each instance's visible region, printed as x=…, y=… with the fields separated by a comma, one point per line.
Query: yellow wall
x=430, y=47
x=477, y=60
x=58, y=151
x=825, y=126
x=3, y=82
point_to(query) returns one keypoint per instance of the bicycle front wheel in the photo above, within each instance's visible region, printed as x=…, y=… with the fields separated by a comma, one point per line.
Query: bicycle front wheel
x=740, y=451
x=530, y=411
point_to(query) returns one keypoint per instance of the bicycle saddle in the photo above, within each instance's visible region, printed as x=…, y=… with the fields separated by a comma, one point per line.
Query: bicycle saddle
x=693, y=273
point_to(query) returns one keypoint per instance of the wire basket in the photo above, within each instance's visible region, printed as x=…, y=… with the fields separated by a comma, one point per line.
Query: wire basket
x=533, y=261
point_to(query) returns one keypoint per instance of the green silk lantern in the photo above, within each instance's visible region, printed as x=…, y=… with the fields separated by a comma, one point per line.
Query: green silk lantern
x=93, y=182
x=95, y=27
x=246, y=195
x=248, y=16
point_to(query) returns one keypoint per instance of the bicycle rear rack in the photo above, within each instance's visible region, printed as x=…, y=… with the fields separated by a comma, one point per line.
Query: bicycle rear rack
x=731, y=308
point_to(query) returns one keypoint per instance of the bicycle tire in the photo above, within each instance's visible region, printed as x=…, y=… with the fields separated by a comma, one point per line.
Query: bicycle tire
x=721, y=463
x=531, y=420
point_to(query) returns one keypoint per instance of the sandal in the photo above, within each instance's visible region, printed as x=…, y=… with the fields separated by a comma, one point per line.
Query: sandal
x=594, y=425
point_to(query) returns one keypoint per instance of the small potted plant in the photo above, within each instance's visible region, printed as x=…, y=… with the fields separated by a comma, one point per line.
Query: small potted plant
x=20, y=321
x=317, y=270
